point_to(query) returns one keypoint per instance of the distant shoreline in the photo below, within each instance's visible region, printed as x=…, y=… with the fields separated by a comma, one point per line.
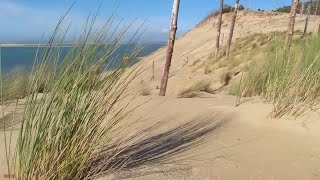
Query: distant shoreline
x=60, y=45
x=35, y=45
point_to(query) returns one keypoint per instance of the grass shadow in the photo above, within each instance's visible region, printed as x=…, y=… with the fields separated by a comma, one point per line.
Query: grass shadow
x=156, y=149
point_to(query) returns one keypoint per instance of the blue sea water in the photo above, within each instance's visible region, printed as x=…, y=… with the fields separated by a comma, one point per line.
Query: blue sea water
x=23, y=57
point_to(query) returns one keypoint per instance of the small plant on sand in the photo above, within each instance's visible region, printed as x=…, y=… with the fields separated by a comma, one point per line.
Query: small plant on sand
x=200, y=86
x=15, y=84
x=291, y=82
x=144, y=89
x=63, y=129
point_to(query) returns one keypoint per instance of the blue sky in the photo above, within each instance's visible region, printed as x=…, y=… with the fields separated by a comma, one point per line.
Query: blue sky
x=29, y=20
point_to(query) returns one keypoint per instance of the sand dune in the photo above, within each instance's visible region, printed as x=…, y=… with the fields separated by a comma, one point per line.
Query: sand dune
x=220, y=141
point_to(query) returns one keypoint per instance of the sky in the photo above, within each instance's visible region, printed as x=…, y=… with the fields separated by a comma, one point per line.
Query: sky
x=31, y=20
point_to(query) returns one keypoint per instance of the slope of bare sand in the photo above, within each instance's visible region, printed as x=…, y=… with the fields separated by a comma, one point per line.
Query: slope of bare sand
x=247, y=145
x=210, y=138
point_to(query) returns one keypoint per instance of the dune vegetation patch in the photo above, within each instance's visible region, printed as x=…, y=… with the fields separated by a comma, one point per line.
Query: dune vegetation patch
x=290, y=81
x=82, y=102
x=200, y=86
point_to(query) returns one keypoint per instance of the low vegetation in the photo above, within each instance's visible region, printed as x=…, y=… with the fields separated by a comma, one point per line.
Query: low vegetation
x=200, y=86
x=144, y=89
x=291, y=82
x=226, y=9
x=287, y=9
x=67, y=126
x=14, y=84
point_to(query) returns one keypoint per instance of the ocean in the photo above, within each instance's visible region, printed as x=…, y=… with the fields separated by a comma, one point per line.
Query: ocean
x=23, y=57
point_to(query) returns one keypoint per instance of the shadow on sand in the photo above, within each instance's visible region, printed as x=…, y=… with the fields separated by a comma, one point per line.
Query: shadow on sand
x=156, y=149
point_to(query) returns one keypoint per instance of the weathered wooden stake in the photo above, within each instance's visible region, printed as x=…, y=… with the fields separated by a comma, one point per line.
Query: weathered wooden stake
x=292, y=19
x=302, y=8
x=172, y=37
x=219, y=29
x=307, y=21
x=153, y=70
x=233, y=20
x=317, y=6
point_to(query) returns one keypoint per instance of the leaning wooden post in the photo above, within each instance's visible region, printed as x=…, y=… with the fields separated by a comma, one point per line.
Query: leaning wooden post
x=153, y=70
x=219, y=29
x=317, y=6
x=172, y=37
x=233, y=20
x=292, y=19
x=306, y=23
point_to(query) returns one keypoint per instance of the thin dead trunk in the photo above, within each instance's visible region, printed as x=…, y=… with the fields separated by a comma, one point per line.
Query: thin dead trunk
x=153, y=70
x=292, y=19
x=307, y=21
x=219, y=28
x=302, y=8
x=172, y=37
x=233, y=20
x=317, y=6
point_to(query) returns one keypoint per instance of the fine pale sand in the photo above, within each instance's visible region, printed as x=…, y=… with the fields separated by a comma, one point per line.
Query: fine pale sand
x=211, y=138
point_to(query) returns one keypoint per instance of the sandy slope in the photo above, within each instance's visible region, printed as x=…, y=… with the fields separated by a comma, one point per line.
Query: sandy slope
x=198, y=44
x=220, y=141
x=251, y=146
x=247, y=146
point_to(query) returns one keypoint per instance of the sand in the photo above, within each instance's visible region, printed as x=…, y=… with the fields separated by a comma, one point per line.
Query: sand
x=221, y=141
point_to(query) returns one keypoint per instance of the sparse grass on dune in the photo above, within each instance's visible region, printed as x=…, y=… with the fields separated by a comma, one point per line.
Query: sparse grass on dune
x=243, y=51
x=144, y=89
x=290, y=82
x=63, y=129
x=200, y=86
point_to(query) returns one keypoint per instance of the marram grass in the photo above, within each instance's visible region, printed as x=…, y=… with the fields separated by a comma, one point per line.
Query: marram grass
x=290, y=81
x=69, y=122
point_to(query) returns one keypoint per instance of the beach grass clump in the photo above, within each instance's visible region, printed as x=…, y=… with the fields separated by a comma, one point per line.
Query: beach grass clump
x=200, y=86
x=144, y=89
x=15, y=84
x=290, y=81
x=83, y=102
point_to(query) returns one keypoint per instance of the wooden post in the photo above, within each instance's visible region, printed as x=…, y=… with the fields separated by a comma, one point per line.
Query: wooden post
x=302, y=8
x=172, y=37
x=317, y=6
x=152, y=69
x=319, y=30
x=233, y=20
x=306, y=23
x=219, y=29
x=222, y=39
x=292, y=19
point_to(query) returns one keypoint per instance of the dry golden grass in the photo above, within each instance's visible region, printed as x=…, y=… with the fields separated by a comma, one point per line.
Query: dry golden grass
x=200, y=86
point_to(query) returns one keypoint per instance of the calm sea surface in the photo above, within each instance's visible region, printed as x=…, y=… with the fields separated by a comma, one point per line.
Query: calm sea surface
x=23, y=57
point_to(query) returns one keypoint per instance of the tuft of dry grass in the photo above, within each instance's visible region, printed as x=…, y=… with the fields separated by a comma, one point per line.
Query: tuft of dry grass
x=15, y=84
x=200, y=86
x=144, y=89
